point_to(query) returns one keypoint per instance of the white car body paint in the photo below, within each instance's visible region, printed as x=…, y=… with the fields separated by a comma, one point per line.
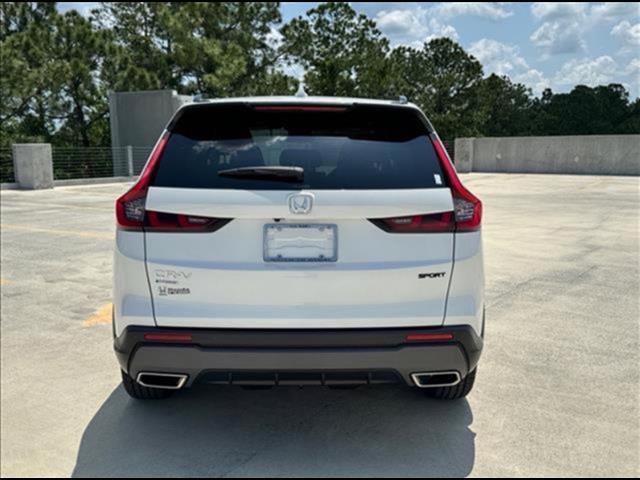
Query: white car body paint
x=369, y=276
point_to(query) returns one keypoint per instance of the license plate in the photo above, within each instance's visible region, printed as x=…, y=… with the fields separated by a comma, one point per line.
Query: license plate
x=300, y=242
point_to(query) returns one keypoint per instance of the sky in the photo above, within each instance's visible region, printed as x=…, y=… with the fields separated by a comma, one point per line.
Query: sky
x=542, y=45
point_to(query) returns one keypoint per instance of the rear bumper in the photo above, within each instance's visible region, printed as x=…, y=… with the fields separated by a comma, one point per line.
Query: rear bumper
x=298, y=356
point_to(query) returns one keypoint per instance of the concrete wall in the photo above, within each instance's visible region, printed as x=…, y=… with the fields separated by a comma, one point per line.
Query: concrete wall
x=33, y=165
x=584, y=154
x=138, y=118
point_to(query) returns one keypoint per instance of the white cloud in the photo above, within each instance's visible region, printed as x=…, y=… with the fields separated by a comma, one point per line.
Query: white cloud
x=633, y=72
x=532, y=78
x=564, y=25
x=412, y=27
x=633, y=68
x=497, y=57
x=612, y=11
x=438, y=29
x=587, y=71
x=490, y=10
x=503, y=59
x=559, y=36
x=628, y=34
x=401, y=23
x=556, y=11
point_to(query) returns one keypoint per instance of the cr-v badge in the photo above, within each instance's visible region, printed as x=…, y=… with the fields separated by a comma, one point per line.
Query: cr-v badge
x=300, y=203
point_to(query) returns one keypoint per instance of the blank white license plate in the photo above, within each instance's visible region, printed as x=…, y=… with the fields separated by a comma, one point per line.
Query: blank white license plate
x=300, y=242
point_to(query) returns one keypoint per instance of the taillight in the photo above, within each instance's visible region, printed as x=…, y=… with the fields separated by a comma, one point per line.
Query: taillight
x=436, y=223
x=467, y=207
x=131, y=212
x=171, y=222
x=130, y=207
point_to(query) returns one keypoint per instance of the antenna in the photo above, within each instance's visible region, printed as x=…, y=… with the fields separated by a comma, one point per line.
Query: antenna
x=301, y=93
x=402, y=99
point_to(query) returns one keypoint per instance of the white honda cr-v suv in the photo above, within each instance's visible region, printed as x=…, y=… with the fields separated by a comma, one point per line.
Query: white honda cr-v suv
x=298, y=241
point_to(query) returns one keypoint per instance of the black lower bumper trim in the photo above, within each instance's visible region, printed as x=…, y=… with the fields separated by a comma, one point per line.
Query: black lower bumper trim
x=464, y=337
x=296, y=378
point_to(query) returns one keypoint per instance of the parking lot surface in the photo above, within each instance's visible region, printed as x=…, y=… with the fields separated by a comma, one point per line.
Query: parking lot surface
x=557, y=391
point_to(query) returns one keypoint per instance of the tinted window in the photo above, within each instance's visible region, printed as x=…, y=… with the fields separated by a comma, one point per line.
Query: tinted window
x=341, y=148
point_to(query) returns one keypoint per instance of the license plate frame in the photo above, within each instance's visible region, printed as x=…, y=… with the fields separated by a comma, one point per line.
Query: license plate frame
x=332, y=240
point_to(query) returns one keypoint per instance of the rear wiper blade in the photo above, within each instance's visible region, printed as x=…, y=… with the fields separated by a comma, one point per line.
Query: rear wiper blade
x=280, y=174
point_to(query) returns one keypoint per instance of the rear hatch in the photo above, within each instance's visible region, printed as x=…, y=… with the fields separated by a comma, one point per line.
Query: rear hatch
x=290, y=216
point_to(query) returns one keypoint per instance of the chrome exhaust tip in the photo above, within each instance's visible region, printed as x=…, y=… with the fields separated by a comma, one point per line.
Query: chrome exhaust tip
x=436, y=379
x=167, y=381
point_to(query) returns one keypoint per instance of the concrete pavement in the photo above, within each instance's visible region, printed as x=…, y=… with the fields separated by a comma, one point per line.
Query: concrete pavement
x=557, y=391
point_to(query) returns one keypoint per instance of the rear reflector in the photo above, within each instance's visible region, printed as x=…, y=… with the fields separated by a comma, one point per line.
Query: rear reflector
x=429, y=337
x=168, y=337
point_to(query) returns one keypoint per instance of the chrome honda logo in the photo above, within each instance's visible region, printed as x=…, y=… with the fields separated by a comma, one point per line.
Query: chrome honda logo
x=300, y=203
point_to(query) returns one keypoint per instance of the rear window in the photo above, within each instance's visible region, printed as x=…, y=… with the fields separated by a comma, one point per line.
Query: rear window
x=360, y=147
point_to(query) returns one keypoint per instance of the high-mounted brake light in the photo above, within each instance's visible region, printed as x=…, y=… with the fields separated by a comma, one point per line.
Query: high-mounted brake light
x=298, y=108
x=467, y=207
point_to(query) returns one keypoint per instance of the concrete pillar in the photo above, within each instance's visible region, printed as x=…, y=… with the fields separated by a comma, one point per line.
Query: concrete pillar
x=464, y=154
x=33, y=165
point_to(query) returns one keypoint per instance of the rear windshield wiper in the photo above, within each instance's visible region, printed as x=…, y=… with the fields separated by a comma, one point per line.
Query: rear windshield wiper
x=280, y=174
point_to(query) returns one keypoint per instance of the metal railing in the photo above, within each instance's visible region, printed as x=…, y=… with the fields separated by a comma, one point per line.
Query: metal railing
x=450, y=146
x=97, y=162
x=7, y=174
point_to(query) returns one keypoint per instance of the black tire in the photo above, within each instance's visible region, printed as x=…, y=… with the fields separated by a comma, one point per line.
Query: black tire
x=460, y=390
x=137, y=391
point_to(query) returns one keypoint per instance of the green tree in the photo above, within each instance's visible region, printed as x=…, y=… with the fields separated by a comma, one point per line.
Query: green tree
x=216, y=49
x=585, y=111
x=507, y=107
x=445, y=81
x=343, y=53
x=26, y=72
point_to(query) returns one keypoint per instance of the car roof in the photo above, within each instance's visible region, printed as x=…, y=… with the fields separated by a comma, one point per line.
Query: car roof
x=310, y=100
x=306, y=100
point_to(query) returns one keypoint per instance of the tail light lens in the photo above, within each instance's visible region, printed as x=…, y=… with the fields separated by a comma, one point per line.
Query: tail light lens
x=130, y=207
x=131, y=213
x=467, y=207
x=437, y=223
x=170, y=222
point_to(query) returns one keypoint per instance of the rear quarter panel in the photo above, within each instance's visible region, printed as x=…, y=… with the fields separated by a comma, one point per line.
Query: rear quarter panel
x=131, y=296
x=466, y=293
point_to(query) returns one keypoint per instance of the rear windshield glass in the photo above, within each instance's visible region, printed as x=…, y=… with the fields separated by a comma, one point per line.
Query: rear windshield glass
x=359, y=147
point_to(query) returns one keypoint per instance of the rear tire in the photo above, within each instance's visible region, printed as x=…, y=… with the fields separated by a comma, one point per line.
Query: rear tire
x=456, y=392
x=137, y=391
